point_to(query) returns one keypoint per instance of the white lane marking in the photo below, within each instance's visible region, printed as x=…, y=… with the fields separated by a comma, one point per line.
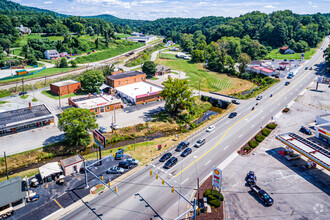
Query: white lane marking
x=227, y=122
x=185, y=181
x=278, y=103
x=226, y=147
x=256, y=115
x=263, y=117
x=252, y=126
x=240, y=135
x=207, y=162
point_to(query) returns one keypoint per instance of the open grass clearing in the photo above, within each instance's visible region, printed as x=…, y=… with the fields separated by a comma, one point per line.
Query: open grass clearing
x=53, y=96
x=275, y=54
x=120, y=35
x=203, y=78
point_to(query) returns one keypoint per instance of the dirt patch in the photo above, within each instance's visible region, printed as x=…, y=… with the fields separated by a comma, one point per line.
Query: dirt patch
x=239, y=86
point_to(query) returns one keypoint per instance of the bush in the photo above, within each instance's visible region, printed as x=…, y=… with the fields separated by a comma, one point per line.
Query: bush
x=265, y=132
x=271, y=126
x=286, y=110
x=253, y=144
x=216, y=203
x=208, y=194
x=247, y=148
x=260, y=138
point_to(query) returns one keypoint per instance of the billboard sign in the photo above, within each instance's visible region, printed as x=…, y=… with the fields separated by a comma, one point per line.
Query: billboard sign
x=99, y=138
x=324, y=80
x=216, y=177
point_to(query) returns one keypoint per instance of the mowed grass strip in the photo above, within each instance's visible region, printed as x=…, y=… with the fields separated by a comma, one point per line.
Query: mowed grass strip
x=199, y=76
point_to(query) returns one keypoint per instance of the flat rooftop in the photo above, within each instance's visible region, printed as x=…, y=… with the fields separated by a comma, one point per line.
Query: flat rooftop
x=72, y=160
x=325, y=116
x=125, y=75
x=23, y=115
x=139, y=89
x=64, y=83
x=96, y=101
x=312, y=151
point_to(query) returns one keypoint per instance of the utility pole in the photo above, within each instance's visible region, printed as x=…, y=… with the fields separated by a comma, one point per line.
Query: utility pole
x=6, y=164
x=45, y=80
x=23, y=84
x=134, y=135
x=59, y=98
x=197, y=189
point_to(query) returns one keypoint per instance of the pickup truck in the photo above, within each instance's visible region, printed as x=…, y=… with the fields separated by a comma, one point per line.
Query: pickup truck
x=262, y=195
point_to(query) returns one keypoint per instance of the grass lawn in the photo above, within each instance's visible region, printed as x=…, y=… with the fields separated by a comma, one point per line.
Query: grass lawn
x=24, y=96
x=3, y=102
x=208, y=80
x=275, y=54
x=122, y=35
x=46, y=72
x=53, y=96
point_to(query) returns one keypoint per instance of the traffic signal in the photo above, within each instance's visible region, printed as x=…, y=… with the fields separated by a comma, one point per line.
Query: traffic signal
x=163, y=182
x=150, y=172
x=156, y=176
x=116, y=189
x=101, y=177
x=172, y=189
x=114, y=155
x=109, y=184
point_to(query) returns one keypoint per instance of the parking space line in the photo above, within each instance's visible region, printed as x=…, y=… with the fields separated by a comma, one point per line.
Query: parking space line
x=58, y=203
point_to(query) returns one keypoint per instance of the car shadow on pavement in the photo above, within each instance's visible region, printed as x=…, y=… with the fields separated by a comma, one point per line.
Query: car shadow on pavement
x=314, y=176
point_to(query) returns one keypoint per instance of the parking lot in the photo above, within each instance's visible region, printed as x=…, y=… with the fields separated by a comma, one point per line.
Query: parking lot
x=298, y=193
x=52, y=195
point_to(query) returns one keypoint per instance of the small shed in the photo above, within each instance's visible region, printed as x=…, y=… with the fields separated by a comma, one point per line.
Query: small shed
x=72, y=165
x=50, y=171
x=21, y=72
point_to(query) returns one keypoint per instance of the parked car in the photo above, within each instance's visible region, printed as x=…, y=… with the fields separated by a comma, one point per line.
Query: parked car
x=287, y=83
x=186, y=152
x=34, y=182
x=262, y=195
x=114, y=126
x=165, y=157
x=22, y=93
x=291, y=60
x=289, y=76
x=200, y=142
x=103, y=129
x=235, y=101
x=132, y=161
x=171, y=162
x=119, y=155
x=115, y=170
x=182, y=146
x=306, y=68
x=285, y=60
x=210, y=128
x=125, y=165
x=310, y=68
x=259, y=97
x=251, y=178
x=233, y=114
x=305, y=130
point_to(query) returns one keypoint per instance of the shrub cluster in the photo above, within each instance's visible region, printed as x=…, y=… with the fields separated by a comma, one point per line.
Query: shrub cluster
x=253, y=144
x=247, y=148
x=265, y=132
x=208, y=194
x=272, y=126
x=260, y=138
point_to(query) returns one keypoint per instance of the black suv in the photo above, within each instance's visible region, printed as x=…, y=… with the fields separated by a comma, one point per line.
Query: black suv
x=305, y=130
x=165, y=157
x=125, y=165
x=119, y=154
x=171, y=162
x=182, y=146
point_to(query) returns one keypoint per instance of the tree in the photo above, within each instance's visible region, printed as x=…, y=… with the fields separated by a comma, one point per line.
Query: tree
x=91, y=80
x=108, y=70
x=73, y=63
x=149, y=68
x=198, y=56
x=90, y=31
x=177, y=96
x=78, y=27
x=32, y=59
x=243, y=60
x=63, y=63
x=76, y=123
x=327, y=57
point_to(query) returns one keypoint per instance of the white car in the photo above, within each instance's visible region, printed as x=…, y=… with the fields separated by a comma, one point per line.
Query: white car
x=115, y=170
x=114, y=126
x=132, y=161
x=211, y=128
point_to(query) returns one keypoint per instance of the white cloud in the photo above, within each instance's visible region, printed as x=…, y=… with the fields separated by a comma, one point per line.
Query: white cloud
x=202, y=3
x=269, y=6
x=314, y=6
x=151, y=1
x=310, y=3
x=49, y=2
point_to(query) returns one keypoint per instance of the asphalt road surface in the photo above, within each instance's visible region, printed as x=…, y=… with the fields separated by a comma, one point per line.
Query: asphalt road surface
x=227, y=137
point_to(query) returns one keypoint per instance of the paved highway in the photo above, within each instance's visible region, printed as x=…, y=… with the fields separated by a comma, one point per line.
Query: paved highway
x=222, y=142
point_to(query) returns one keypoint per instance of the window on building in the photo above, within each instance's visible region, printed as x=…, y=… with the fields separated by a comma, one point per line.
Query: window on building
x=126, y=81
x=153, y=97
x=108, y=107
x=95, y=110
x=118, y=82
x=141, y=78
x=134, y=79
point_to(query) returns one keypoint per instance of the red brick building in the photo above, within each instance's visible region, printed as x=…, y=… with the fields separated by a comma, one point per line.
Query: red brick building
x=97, y=104
x=123, y=79
x=65, y=87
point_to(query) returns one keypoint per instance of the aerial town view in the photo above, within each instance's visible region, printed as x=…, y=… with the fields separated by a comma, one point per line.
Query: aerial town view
x=164, y=110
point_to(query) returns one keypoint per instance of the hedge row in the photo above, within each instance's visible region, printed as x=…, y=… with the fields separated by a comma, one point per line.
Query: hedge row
x=253, y=144
x=271, y=126
x=260, y=138
x=213, y=200
x=265, y=132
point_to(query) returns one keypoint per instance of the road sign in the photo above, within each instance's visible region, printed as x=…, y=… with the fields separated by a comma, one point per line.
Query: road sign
x=99, y=138
x=324, y=80
x=216, y=177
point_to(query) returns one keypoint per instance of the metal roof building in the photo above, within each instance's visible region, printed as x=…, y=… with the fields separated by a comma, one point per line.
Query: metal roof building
x=11, y=191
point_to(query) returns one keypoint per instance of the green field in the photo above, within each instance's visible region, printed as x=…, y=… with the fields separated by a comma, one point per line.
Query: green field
x=53, y=96
x=114, y=51
x=122, y=35
x=23, y=40
x=199, y=76
x=275, y=54
x=46, y=72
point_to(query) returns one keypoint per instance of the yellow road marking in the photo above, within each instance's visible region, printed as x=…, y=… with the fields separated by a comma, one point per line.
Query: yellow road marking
x=237, y=123
x=58, y=203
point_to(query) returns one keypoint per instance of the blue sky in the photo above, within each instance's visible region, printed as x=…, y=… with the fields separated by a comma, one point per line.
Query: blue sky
x=153, y=9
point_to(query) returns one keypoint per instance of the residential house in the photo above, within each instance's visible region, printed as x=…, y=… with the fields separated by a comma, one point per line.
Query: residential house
x=23, y=30
x=51, y=54
x=162, y=69
x=286, y=50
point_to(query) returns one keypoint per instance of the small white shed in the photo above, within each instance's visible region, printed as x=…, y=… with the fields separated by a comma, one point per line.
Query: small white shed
x=72, y=165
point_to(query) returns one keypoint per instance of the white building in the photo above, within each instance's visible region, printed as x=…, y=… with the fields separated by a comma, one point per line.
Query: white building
x=322, y=127
x=24, y=30
x=142, y=38
x=51, y=54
